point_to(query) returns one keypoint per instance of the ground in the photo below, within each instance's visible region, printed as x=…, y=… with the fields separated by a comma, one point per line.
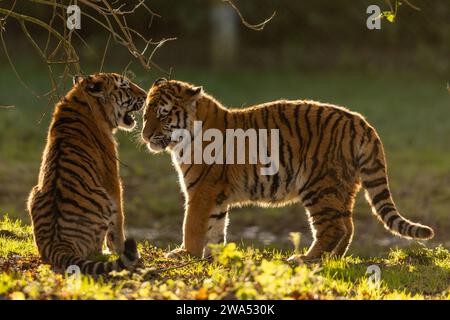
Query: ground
x=235, y=273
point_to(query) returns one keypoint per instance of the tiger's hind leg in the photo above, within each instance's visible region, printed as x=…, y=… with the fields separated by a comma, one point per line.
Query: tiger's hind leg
x=330, y=209
x=217, y=229
x=114, y=237
x=344, y=243
x=328, y=230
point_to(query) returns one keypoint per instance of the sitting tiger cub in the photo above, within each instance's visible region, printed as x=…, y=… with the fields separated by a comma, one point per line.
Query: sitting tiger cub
x=325, y=151
x=77, y=203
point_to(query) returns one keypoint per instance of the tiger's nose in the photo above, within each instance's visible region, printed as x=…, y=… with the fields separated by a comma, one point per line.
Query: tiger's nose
x=146, y=137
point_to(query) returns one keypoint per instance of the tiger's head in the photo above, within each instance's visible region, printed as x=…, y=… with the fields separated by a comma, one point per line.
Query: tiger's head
x=117, y=95
x=170, y=105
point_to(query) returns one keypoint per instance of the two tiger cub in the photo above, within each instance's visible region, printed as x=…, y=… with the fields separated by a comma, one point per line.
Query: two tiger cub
x=325, y=152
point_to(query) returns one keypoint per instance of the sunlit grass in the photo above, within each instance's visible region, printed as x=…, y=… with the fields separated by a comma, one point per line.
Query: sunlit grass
x=234, y=273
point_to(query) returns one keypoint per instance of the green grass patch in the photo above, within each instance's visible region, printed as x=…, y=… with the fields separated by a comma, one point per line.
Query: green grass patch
x=234, y=273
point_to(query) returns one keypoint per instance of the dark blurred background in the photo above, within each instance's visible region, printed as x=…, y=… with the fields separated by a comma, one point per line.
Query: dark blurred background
x=396, y=76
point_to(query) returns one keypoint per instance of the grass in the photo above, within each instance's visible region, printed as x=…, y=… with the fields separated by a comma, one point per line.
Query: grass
x=235, y=273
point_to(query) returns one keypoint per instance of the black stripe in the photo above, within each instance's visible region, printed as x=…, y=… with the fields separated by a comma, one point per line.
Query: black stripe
x=369, y=171
x=386, y=209
x=352, y=142
x=255, y=183
x=275, y=185
x=265, y=117
x=221, y=197
x=225, y=119
x=218, y=216
x=409, y=230
x=391, y=220
x=383, y=195
x=80, y=207
x=374, y=183
x=289, y=169
x=309, y=139
x=66, y=108
x=401, y=225
x=76, y=100
x=284, y=119
x=100, y=268
x=187, y=170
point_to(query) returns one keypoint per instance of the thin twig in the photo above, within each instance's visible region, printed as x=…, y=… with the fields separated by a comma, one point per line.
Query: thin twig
x=256, y=27
x=411, y=5
x=104, y=53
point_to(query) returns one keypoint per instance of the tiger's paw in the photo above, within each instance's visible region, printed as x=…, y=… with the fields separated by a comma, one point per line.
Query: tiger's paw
x=178, y=254
x=296, y=258
x=302, y=259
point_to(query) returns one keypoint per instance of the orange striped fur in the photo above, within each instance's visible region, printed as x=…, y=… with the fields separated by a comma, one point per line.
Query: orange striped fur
x=77, y=203
x=325, y=151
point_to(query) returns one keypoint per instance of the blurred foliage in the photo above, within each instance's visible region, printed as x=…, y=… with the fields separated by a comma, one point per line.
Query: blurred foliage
x=314, y=34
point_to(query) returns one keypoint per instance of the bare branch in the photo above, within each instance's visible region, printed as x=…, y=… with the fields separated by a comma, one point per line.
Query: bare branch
x=104, y=53
x=110, y=17
x=256, y=27
x=411, y=5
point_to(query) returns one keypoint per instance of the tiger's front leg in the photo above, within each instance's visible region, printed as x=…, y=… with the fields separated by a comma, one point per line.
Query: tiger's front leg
x=195, y=225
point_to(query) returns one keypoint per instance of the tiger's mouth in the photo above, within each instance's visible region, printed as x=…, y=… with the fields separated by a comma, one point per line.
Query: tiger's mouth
x=128, y=118
x=157, y=144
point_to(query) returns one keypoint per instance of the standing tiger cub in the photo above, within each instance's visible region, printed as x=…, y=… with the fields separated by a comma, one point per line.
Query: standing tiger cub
x=324, y=151
x=77, y=203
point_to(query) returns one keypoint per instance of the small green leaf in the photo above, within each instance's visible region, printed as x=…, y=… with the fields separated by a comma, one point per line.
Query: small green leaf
x=389, y=15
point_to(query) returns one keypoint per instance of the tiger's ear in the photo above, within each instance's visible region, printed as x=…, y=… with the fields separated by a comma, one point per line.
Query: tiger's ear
x=95, y=88
x=194, y=93
x=77, y=79
x=159, y=81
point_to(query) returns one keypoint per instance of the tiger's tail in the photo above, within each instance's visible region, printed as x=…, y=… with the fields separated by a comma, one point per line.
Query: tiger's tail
x=127, y=260
x=372, y=167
